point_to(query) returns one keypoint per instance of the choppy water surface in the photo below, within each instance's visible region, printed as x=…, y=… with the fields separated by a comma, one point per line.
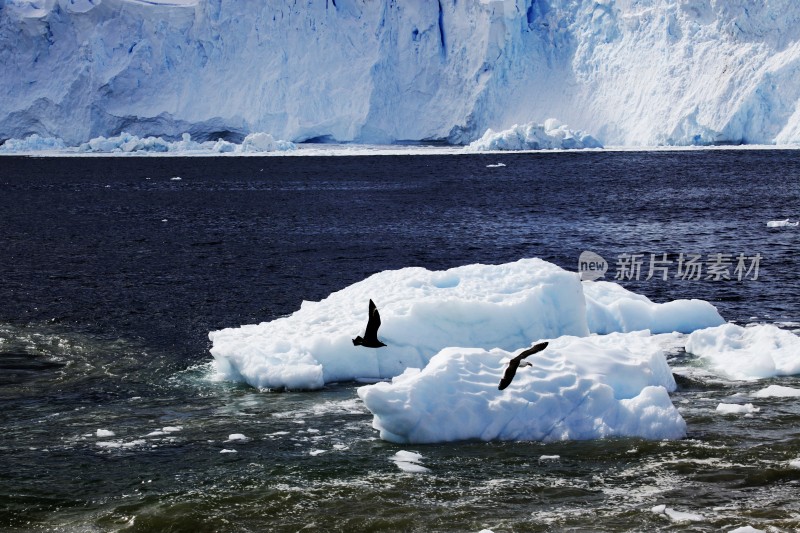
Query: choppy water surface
x=112, y=273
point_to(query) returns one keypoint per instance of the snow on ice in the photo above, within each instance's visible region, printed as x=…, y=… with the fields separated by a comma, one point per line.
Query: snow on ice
x=747, y=353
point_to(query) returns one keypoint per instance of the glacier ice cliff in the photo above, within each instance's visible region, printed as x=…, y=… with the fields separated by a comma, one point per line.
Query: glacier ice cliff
x=630, y=72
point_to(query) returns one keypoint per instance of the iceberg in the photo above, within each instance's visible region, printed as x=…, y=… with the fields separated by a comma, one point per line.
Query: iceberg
x=548, y=136
x=755, y=352
x=578, y=388
x=422, y=312
x=505, y=306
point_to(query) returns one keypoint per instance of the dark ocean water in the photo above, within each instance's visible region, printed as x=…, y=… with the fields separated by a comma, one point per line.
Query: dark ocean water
x=112, y=273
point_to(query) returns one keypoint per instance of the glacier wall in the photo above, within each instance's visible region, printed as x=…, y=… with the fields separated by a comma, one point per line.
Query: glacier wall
x=630, y=72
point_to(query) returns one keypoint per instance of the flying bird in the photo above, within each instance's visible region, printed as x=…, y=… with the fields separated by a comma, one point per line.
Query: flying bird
x=370, y=339
x=516, y=362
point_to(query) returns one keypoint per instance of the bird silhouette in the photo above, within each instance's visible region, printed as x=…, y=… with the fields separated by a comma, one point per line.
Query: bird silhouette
x=516, y=362
x=370, y=338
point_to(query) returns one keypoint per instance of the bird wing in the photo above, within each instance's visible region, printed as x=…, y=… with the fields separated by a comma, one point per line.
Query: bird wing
x=373, y=323
x=513, y=364
x=508, y=375
x=532, y=350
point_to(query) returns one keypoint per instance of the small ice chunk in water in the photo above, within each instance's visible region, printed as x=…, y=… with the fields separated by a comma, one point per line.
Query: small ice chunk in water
x=677, y=516
x=794, y=463
x=316, y=452
x=782, y=223
x=237, y=437
x=549, y=457
x=736, y=409
x=777, y=391
x=410, y=457
x=412, y=468
x=104, y=433
x=409, y=462
x=747, y=529
x=225, y=450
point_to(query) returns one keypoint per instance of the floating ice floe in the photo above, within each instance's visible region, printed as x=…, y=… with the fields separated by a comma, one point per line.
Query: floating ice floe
x=409, y=462
x=258, y=142
x=104, y=433
x=737, y=409
x=578, y=388
x=754, y=352
x=747, y=529
x=677, y=516
x=777, y=391
x=782, y=223
x=504, y=306
x=237, y=437
x=532, y=136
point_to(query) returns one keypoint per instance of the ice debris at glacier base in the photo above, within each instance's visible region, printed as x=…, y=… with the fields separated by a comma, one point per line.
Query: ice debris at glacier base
x=747, y=353
x=258, y=142
x=551, y=135
x=579, y=388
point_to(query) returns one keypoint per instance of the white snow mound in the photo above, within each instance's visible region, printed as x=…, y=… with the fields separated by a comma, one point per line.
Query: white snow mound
x=754, y=352
x=531, y=136
x=578, y=388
